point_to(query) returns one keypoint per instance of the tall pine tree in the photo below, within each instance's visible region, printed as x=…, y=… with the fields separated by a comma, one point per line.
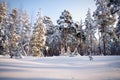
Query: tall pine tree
x=14, y=37
x=64, y=23
x=105, y=22
x=38, y=37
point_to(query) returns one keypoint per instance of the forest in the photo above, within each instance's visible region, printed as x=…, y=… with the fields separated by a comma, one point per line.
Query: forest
x=18, y=36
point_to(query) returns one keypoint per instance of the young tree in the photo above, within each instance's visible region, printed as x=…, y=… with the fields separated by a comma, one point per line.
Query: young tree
x=90, y=32
x=38, y=38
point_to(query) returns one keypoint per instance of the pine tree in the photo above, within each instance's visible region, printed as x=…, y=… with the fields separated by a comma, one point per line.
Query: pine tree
x=38, y=38
x=49, y=32
x=64, y=23
x=25, y=32
x=90, y=32
x=80, y=36
x=3, y=22
x=117, y=42
x=14, y=37
x=3, y=12
x=118, y=29
x=49, y=25
x=105, y=21
x=114, y=6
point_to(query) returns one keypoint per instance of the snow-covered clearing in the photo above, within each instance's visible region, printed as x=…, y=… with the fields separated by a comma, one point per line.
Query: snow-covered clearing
x=60, y=68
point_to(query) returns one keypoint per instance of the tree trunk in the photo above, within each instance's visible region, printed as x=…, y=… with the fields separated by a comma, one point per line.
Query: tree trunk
x=104, y=45
x=91, y=44
x=99, y=44
x=66, y=34
x=104, y=42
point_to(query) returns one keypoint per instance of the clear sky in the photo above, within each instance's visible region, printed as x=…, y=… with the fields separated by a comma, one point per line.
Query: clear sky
x=53, y=8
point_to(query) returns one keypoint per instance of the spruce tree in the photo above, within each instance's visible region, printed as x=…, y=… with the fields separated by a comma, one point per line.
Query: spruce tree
x=38, y=37
x=14, y=37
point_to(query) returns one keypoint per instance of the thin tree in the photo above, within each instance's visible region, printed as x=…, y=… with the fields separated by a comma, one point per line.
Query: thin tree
x=90, y=31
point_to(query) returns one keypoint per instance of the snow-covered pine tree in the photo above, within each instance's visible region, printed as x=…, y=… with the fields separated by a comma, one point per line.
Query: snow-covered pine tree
x=116, y=43
x=49, y=32
x=53, y=37
x=105, y=21
x=25, y=32
x=14, y=37
x=90, y=31
x=39, y=36
x=64, y=24
x=118, y=29
x=3, y=22
x=72, y=40
x=80, y=36
x=49, y=25
x=114, y=6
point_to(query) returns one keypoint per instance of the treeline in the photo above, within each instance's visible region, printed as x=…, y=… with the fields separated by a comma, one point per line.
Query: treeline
x=68, y=38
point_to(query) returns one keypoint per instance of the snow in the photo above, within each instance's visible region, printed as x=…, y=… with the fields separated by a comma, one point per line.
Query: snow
x=60, y=68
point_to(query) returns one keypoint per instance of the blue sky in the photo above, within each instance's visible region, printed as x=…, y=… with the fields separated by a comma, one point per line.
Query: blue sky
x=53, y=8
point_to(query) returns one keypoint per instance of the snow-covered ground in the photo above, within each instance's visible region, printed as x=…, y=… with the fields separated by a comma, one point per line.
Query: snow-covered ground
x=60, y=68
